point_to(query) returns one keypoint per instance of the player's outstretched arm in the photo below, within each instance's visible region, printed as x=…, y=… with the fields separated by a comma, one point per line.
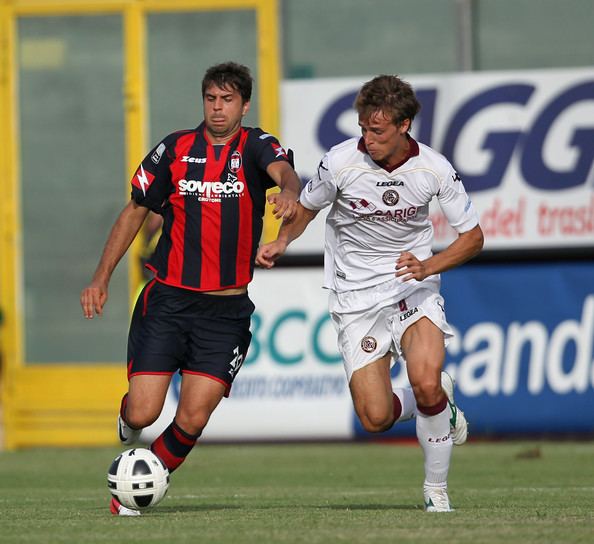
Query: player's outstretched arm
x=284, y=202
x=289, y=231
x=467, y=245
x=94, y=296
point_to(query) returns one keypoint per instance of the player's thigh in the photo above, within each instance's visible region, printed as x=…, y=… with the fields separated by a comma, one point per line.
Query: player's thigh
x=423, y=348
x=371, y=388
x=146, y=395
x=198, y=398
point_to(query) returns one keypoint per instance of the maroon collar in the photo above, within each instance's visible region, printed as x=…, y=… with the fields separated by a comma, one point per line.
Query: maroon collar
x=413, y=151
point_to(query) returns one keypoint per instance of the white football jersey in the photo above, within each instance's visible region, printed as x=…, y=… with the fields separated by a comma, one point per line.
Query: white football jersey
x=376, y=214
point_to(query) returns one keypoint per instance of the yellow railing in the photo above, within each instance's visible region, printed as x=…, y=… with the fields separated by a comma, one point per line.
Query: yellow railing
x=52, y=404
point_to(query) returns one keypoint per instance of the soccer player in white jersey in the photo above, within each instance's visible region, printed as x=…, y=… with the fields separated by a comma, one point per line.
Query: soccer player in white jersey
x=382, y=275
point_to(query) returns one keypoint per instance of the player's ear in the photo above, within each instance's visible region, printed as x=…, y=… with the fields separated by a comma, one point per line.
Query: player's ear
x=404, y=126
x=245, y=108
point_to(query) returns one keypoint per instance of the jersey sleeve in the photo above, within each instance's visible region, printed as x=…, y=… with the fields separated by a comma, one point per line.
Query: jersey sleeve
x=151, y=183
x=456, y=204
x=320, y=190
x=268, y=149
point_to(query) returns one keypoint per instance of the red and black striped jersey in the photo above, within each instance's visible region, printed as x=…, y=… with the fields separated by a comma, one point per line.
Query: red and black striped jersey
x=212, y=200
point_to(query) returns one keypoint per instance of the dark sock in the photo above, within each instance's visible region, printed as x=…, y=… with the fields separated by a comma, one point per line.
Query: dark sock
x=173, y=445
x=397, y=406
x=434, y=410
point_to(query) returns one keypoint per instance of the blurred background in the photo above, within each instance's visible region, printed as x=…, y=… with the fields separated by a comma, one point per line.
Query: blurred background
x=507, y=88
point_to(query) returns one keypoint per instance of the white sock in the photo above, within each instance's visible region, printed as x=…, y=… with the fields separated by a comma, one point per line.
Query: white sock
x=407, y=401
x=434, y=437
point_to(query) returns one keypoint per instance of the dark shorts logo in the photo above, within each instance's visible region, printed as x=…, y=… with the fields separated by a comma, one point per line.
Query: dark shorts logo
x=235, y=162
x=368, y=344
x=390, y=197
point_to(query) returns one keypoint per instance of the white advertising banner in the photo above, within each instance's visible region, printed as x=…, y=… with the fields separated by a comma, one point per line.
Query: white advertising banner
x=292, y=384
x=522, y=142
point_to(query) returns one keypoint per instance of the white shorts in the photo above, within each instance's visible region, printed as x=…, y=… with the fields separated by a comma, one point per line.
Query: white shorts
x=367, y=334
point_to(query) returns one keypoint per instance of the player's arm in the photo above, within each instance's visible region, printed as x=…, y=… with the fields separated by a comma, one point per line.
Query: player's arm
x=467, y=245
x=289, y=231
x=461, y=215
x=123, y=232
x=285, y=201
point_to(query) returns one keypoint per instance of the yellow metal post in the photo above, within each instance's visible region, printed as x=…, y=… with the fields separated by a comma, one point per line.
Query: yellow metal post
x=268, y=85
x=11, y=334
x=135, y=111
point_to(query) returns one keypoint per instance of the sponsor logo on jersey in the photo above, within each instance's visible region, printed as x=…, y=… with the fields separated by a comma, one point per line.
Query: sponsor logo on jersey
x=409, y=313
x=235, y=162
x=158, y=153
x=362, y=205
x=392, y=183
x=210, y=191
x=368, y=344
x=199, y=160
x=398, y=216
x=390, y=197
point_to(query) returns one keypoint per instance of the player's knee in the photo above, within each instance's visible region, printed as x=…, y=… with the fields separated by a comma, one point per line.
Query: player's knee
x=377, y=421
x=192, y=422
x=139, y=418
x=428, y=392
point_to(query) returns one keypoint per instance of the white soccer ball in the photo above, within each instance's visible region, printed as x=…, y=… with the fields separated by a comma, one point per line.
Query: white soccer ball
x=138, y=479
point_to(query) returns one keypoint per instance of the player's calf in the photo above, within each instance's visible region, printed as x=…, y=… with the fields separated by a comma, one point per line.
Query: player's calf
x=127, y=434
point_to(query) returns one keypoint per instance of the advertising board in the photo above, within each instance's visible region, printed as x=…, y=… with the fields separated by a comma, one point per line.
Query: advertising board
x=522, y=356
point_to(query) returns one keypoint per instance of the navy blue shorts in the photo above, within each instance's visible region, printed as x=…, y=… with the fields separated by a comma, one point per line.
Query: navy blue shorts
x=178, y=329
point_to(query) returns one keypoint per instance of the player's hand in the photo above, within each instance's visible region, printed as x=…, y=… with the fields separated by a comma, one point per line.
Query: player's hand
x=93, y=298
x=408, y=267
x=285, y=205
x=269, y=253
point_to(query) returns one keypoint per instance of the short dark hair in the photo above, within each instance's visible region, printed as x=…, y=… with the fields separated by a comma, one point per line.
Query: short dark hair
x=229, y=74
x=389, y=94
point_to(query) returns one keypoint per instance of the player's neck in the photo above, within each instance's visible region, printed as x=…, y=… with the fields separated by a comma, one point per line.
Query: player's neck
x=398, y=158
x=221, y=139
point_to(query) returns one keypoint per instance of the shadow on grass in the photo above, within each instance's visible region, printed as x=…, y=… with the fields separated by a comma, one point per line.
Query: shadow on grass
x=193, y=508
x=167, y=510
x=372, y=506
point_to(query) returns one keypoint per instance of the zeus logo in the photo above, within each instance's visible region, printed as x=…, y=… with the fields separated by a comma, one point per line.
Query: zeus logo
x=210, y=188
x=199, y=160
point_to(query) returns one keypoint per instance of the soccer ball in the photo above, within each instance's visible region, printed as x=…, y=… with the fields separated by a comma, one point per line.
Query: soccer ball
x=138, y=478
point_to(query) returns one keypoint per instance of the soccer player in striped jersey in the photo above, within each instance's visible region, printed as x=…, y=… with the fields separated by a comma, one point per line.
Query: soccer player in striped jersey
x=383, y=278
x=209, y=184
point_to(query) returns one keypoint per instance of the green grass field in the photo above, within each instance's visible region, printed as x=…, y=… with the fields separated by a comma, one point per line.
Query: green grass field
x=528, y=492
